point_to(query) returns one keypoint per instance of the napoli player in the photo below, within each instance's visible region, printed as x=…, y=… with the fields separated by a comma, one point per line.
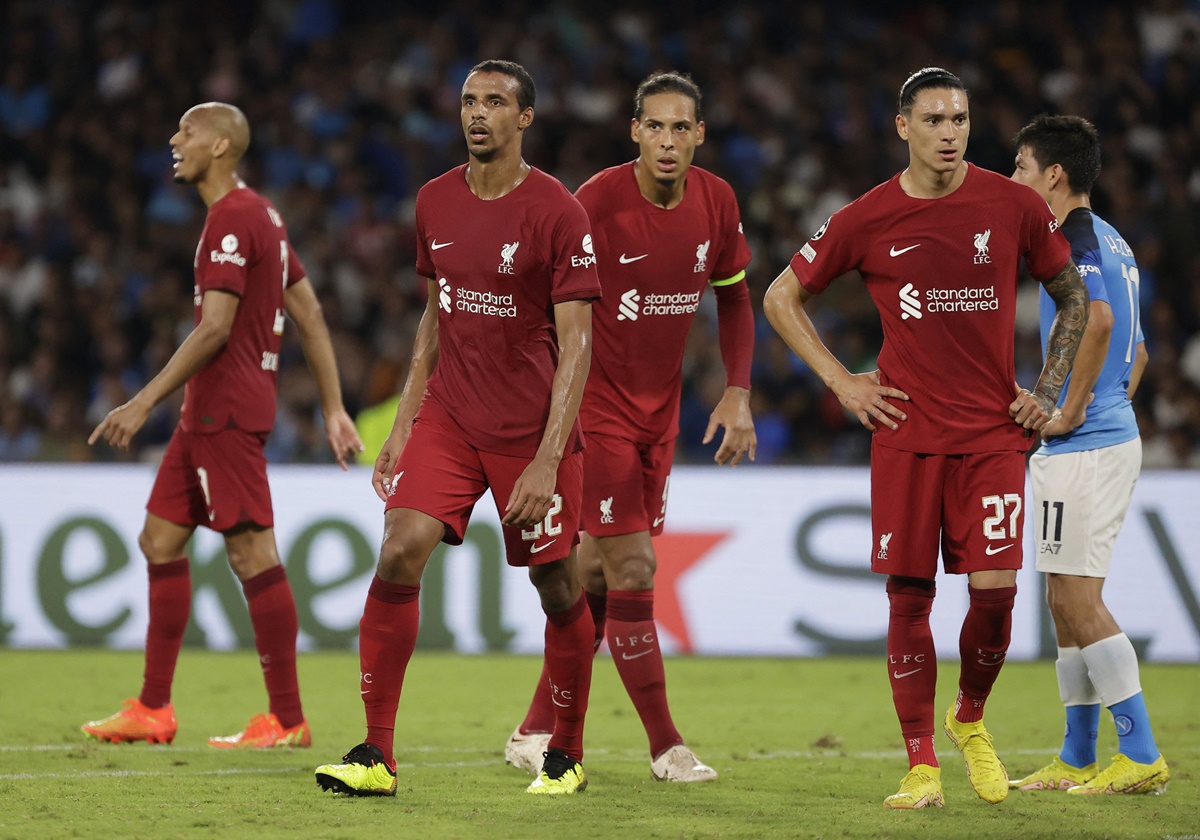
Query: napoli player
x=491, y=401
x=938, y=247
x=664, y=229
x=214, y=471
x=1083, y=477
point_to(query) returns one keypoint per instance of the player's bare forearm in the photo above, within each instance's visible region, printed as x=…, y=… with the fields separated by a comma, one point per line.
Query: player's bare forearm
x=1140, y=360
x=209, y=336
x=862, y=394
x=423, y=362
x=533, y=491
x=784, y=308
x=573, y=323
x=300, y=301
x=733, y=413
x=420, y=368
x=1071, y=299
x=1089, y=360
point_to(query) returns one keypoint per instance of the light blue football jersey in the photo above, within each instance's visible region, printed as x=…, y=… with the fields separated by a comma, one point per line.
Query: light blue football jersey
x=1108, y=268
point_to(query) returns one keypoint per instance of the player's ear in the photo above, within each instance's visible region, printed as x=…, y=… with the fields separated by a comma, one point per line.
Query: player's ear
x=700, y=133
x=902, y=126
x=633, y=129
x=221, y=146
x=525, y=119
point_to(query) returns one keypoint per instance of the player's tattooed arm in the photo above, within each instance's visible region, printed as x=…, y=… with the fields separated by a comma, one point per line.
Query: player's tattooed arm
x=1070, y=297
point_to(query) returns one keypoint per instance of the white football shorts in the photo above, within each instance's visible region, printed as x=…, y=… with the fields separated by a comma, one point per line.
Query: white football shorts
x=1080, y=500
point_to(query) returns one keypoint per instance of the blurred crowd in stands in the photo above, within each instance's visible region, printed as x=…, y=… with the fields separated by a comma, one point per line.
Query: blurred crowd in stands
x=354, y=105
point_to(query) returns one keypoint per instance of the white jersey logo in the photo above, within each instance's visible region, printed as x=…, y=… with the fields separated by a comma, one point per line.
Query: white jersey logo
x=606, y=516
x=981, y=247
x=884, y=539
x=910, y=302
x=506, y=255
x=628, y=306
x=444, y=294
x=701, y=257
x=583, y=262
x=229, y=243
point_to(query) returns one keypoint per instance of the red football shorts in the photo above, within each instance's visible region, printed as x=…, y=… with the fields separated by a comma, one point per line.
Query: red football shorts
x=972, y=506
x=218, y=480
x=442, y=475
x=625, y=485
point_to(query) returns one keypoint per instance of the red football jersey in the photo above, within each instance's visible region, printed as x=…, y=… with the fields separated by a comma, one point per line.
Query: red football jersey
x=654, y=266
x=500, y=267
x=244, y=250
x=943, y=274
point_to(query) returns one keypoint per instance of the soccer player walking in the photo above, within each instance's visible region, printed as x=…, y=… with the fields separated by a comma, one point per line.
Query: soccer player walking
x=663, y=230
x=491, y=401
x=938, y=247
x=1084, y=473
x=214, y=471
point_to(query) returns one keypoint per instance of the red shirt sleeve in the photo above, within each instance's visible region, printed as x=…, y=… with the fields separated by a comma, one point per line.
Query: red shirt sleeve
x=228, y=248
x=831, y=252
x=1044, y=247
x=573, y=254
x=734, y=254
x=295, y=268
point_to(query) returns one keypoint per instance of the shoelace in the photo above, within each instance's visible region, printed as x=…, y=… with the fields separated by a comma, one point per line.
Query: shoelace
x=556, y=763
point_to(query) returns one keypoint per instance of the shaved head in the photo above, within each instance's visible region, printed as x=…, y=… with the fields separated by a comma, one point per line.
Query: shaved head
x=226, y=121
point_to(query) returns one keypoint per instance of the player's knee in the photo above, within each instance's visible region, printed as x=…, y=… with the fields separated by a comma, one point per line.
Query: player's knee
x=155, y=549
x=401, y=559
x=557, y=587
x=631, y=572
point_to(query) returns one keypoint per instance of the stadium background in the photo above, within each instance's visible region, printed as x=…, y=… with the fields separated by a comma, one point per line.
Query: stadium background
x=354, y=105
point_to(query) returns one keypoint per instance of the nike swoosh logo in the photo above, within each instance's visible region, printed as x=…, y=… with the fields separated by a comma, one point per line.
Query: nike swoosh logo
x=990, y=664
x=627, y=656
x=555, y=700
x=435, y=245
x=900, y=676
x=368, y=691
x=658, y=522
x=896, y=253
x=990, y=550
x=534, y=549
x=624, y=260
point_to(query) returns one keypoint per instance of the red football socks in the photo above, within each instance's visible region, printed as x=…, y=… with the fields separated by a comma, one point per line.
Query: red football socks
x=570, y=636
x=540, y=717
x=912, y=665
x=273, y=616
x=633, y=640
x=170, y=606
x=982, y=646
x=387, y=638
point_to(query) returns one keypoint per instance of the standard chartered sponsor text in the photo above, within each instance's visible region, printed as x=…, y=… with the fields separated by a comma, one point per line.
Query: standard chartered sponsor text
x=486, y=303
x=961, y=300
x=679, y=303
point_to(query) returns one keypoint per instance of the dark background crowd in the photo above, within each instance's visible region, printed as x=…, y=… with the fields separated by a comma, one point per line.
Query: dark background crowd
x=354, y=105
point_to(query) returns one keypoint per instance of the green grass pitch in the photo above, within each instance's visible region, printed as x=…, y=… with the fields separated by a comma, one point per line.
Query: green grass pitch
x=805, y=748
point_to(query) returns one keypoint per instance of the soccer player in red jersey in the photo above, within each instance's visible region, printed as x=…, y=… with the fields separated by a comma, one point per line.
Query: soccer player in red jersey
x=663, y=229
x=938, y=247
x=214, y=471
x=491, y=401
